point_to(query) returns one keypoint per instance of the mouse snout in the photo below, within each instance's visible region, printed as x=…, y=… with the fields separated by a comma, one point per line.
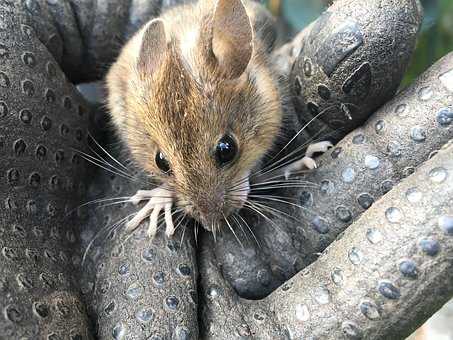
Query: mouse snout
x=211, y=204
x=210, y=207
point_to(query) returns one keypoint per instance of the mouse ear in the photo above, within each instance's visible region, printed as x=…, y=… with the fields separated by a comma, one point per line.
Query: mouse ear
x=232, y=37
x=153, y=46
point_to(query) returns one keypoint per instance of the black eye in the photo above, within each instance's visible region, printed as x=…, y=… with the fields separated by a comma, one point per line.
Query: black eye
x=226, y=150
x=162, y=162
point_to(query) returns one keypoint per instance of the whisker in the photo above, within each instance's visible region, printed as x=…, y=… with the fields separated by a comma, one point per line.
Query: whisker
x=275, y=212
x=240, y=193
x=276, y=165
x=302, y=129
x=101, y=160
x=232, y=230
x=214, y=231
x=276, y=199
x=248, y=227
x=107, y=229
x=87, y=158
x=264, y=172
x=99, y=200
x=101, y=206
x=275, y=196
x=253, y=208
x=195, y=230
x=184, y=229
x=291, y=157
x=240, y=226
x=107, y=153
x=284, y=180
x=273, y=167
x=105, y=162
x=304, y=184
x=281, y=186
x=179, y=220
x=312, y=139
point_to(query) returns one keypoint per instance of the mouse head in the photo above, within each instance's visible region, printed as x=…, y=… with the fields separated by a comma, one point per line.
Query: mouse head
x=198, y=109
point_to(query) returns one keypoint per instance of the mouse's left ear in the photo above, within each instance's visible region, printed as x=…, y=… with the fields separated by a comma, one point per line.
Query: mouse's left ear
x=153, y=47
x=232, y=37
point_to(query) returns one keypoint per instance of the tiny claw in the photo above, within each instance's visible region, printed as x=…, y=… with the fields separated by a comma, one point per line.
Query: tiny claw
x=135, y=200
x=152, y=229
x=306, y=162
x=309, y=163
x=170, y=227
x=141, y=215
x=318, y=147
x=131, y=225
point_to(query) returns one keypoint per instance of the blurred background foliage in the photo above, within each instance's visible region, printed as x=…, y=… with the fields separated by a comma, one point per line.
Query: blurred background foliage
x=436, y=38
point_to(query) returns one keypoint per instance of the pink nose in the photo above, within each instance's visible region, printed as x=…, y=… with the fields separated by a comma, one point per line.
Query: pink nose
x=211, y=204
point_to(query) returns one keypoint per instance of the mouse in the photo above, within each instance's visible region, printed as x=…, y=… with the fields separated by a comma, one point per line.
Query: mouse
x=195, y=97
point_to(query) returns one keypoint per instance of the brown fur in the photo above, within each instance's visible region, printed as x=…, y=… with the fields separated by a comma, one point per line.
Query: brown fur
x=190, y=101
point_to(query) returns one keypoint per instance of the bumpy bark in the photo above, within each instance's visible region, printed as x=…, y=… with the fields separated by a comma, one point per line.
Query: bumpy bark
x=388, y=271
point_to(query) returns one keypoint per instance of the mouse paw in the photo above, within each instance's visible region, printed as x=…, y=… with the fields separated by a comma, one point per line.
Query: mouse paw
x=307, y=161
x=318, y=147
x=304, y=162
x=158, y=199
x=153, y=218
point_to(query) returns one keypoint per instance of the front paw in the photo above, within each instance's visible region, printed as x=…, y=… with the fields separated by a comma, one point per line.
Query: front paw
x=158, y=199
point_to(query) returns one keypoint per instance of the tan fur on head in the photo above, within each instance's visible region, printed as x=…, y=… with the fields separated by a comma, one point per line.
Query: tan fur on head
x=182, y=83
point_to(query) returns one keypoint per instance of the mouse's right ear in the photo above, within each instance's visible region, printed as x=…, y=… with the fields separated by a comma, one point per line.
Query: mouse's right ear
x=231, y=37
x=153, y=47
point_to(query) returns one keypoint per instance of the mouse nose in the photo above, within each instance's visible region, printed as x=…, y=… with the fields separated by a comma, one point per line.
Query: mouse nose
x=210, y=208
x=211, y=204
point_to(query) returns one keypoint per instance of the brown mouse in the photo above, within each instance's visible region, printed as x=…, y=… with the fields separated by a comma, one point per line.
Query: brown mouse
x=195, y=97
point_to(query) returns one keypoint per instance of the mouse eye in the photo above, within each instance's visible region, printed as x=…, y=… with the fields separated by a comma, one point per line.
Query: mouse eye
x=162, y=162
x=226, y=150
